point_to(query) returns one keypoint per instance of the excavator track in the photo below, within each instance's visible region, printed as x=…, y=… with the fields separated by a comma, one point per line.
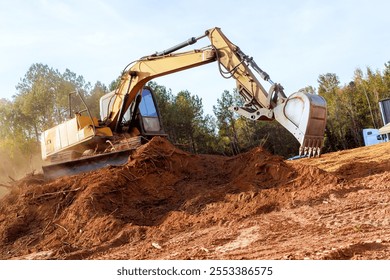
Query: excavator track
x=85, y=164
x=117, y=155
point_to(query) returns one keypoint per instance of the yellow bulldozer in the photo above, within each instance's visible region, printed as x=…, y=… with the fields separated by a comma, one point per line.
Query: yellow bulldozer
x=129, y=115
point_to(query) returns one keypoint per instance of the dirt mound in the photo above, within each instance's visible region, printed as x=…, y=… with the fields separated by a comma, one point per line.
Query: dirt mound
x=166, y=203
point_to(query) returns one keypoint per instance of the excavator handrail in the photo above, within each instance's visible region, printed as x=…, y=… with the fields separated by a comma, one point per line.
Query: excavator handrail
x=85, y=110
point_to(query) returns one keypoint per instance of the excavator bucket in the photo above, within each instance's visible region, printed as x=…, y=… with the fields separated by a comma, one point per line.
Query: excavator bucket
x=304, y=115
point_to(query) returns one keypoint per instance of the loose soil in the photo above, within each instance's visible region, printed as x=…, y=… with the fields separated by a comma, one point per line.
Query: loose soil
x=169, y=204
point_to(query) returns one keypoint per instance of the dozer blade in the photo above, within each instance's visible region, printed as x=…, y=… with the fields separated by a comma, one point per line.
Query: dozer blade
x=86, y=164
x=304, y=115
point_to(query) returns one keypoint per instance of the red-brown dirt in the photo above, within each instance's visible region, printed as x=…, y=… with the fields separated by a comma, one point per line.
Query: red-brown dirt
x=169, y=204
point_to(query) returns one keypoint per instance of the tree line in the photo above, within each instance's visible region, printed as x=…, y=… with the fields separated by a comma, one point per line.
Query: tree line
x=354, y=106
x=42, y=101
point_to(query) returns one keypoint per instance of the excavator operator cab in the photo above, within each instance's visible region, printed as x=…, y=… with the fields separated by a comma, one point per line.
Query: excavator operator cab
x=148, y=115
x=142, y=114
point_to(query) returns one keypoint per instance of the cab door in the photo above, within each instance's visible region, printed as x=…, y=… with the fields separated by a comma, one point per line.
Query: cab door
x=150, y=121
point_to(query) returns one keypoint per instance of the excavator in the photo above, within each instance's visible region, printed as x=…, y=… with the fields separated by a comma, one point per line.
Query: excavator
x=129, y=115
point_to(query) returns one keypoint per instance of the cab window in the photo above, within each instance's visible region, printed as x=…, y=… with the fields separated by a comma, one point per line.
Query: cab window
x=147, y=107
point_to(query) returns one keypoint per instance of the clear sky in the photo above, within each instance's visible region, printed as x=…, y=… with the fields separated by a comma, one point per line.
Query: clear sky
x=294, y=41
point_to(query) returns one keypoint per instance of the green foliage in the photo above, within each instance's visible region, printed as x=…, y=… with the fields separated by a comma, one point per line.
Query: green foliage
x=227, y=124
x=238, y=134
x=115, y=83
x=93, y=98
x=353, y=107
x=42, y=98
x=41, y=103
x=184, y=121
x=17, y=150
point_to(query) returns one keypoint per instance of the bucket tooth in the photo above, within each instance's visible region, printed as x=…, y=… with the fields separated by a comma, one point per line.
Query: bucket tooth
x=301, y=149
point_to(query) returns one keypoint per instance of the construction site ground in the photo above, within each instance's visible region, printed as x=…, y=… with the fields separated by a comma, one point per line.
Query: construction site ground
x=169, y=204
